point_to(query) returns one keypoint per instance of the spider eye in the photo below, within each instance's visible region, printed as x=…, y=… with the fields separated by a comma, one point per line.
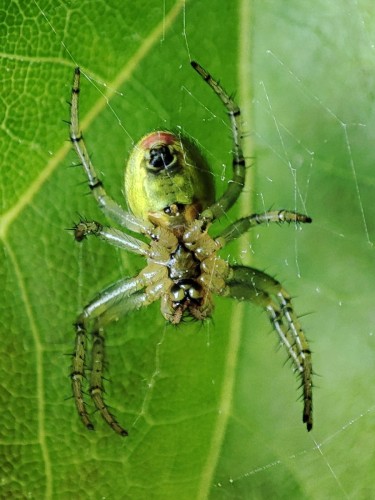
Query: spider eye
x=160, y=158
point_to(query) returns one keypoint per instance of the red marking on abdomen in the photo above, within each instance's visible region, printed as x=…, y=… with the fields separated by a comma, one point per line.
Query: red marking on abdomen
x=158, y=137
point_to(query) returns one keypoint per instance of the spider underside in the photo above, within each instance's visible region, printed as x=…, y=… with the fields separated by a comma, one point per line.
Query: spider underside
x=170, y=192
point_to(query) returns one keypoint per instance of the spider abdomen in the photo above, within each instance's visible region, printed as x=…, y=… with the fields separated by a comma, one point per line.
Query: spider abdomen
x=165, y=175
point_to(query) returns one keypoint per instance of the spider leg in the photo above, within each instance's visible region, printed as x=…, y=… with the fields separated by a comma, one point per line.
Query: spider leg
x=246, y=283
x=240, y=227
x=96, y=381
x=117, y=300
x=110, y=235
x=105, y=202
x=238, y=180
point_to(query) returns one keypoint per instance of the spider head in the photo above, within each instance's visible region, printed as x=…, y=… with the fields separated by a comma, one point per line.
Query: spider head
x=167, y=180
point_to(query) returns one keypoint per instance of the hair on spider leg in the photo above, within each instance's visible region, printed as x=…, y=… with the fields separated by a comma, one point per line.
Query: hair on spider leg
x=70, y=354
x=84, y=183
x=76, y=164
x=71, y=229
x=303, y=315
x=82, y=220
x=103, y=389
x=109, y=407
x=69, y=397
x=289, y=357
x=232, y=95
x=300, y=397
x=106, y=379
x=85, y=393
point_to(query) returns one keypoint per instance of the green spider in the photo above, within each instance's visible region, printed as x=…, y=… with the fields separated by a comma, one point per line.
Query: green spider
x=170, y=192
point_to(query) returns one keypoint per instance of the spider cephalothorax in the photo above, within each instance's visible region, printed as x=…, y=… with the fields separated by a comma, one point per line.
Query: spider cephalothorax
x=170, y=192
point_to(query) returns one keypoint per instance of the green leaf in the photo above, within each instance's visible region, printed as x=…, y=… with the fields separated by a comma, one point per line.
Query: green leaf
x=210, y=409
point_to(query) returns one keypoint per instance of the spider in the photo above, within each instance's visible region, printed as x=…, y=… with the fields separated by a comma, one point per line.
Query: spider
x=171, y=196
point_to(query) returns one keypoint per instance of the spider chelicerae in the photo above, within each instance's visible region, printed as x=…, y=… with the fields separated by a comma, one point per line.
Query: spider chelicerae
x=170, y=192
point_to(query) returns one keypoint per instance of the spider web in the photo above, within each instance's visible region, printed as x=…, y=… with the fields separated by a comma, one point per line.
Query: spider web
x=305, y=93
x=323, y=173
x=310, y=143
